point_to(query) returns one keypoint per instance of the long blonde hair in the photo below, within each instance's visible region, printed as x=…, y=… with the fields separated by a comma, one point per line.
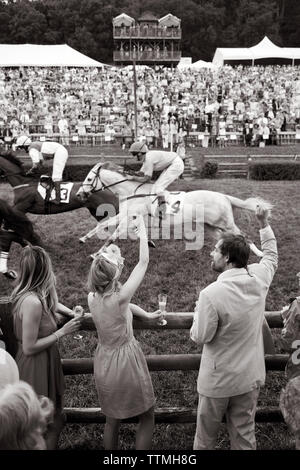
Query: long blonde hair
x=36, y=276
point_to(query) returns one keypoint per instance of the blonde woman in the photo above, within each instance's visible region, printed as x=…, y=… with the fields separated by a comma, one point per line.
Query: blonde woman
x=122, y=378
x=23, y=418
x=35, y=302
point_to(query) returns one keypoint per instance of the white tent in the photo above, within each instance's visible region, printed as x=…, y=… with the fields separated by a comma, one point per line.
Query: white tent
x=266, y=48
x=36, y=55
x=224, y=54
x=123, y=20
x=184, y=63
x=201, y=64
x=263, y=50
x=169, y=20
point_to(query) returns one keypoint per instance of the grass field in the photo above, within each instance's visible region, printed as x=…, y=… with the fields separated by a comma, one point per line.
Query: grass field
x=181, y=273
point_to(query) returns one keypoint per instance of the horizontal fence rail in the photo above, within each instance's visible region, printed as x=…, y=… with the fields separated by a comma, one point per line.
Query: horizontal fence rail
x=177, y=321
x=167, y=362
x=163, y=362
x=168, y=415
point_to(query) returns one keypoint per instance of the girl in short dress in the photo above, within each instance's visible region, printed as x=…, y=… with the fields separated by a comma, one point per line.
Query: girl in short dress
x=121, y=374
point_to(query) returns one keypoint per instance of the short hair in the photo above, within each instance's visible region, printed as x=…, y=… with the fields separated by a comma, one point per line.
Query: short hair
x=236, y=248
x=23, y=418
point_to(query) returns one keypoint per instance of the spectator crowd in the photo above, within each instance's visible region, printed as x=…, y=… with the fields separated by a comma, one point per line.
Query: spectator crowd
x=257, y=102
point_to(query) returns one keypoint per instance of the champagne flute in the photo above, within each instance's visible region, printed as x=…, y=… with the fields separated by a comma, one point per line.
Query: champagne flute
x=162, y=302
x=78, y=313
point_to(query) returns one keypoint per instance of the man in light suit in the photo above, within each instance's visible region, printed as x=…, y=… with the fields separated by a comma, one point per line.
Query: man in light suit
x=228, y=322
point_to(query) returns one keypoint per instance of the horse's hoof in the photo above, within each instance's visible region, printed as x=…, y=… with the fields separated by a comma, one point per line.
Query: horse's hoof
x=12, y=275
x=151, y=244
x=81, y=240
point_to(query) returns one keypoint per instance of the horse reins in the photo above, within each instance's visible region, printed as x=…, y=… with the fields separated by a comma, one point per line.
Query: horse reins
x=103, y=187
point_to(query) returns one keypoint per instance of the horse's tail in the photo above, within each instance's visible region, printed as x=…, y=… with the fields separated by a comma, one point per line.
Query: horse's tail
x=250, y=204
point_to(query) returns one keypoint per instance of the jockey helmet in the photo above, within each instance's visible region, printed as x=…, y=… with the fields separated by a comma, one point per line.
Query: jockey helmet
x=138, y=147
x=23, y=141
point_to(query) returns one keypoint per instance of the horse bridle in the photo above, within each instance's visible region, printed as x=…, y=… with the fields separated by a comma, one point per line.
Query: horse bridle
x=103, y=187
x=98, y=177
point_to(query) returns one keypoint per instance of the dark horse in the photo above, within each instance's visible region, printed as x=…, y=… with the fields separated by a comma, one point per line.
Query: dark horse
x=27, y=199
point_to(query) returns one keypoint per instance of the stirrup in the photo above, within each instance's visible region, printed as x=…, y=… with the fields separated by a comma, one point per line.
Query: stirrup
x=45, y=179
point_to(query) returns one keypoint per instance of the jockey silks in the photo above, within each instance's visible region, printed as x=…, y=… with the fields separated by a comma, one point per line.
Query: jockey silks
x=38, y=151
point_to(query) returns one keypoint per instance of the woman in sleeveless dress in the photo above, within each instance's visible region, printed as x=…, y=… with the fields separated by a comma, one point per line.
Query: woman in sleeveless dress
x=121, y=373
x=34, y=303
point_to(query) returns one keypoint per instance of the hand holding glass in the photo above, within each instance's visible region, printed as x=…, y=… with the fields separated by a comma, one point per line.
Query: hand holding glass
x=162, y=302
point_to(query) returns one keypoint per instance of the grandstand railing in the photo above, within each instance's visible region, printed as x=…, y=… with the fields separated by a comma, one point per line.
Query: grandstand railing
x=192, y=139
x=147, y=33
x=146, y=55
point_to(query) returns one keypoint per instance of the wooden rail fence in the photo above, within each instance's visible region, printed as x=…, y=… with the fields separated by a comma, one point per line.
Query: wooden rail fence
x=168, y=362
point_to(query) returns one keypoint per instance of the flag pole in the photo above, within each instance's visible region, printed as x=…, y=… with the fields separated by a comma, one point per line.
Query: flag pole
x=134, y=92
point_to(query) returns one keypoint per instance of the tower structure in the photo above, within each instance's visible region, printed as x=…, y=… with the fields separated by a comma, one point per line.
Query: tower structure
x=148, y=40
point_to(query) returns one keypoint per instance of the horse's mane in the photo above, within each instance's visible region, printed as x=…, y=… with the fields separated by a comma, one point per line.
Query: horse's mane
x=112, y=167
x=10, y=157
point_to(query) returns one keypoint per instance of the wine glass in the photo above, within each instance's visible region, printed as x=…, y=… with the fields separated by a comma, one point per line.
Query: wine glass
x=162, y=302
x=78, y=313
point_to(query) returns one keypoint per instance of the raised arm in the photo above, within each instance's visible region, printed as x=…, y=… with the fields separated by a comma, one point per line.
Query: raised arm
x=269, y=261
x=128, y=289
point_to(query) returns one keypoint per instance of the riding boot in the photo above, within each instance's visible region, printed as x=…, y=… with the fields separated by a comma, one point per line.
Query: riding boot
x=57, y=192
x=162, y=205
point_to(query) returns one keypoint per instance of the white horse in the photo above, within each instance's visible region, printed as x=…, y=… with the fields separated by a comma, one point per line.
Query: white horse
x=139, y=198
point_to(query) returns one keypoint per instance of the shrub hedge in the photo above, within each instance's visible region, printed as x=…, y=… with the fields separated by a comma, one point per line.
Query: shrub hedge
x=257, y=171
x=209, y=170
x=275, y=171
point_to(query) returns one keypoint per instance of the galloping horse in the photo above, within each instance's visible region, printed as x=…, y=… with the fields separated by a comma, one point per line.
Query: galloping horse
x=217, y=207
x=27, y=198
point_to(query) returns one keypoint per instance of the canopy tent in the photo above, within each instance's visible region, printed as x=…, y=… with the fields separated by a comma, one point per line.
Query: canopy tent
x=36, y=55
x=169, y=20
x=184, y=63
x=265, y=49
x=123, y=20
x=201, y=64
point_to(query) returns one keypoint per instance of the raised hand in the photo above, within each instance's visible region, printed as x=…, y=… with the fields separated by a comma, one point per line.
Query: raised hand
x=262, y=215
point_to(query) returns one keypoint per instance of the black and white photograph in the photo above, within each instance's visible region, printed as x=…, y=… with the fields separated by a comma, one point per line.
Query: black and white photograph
x=149, y=229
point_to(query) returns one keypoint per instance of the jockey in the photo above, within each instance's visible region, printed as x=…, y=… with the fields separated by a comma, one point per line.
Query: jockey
x=169, y=163
x=40, y=150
